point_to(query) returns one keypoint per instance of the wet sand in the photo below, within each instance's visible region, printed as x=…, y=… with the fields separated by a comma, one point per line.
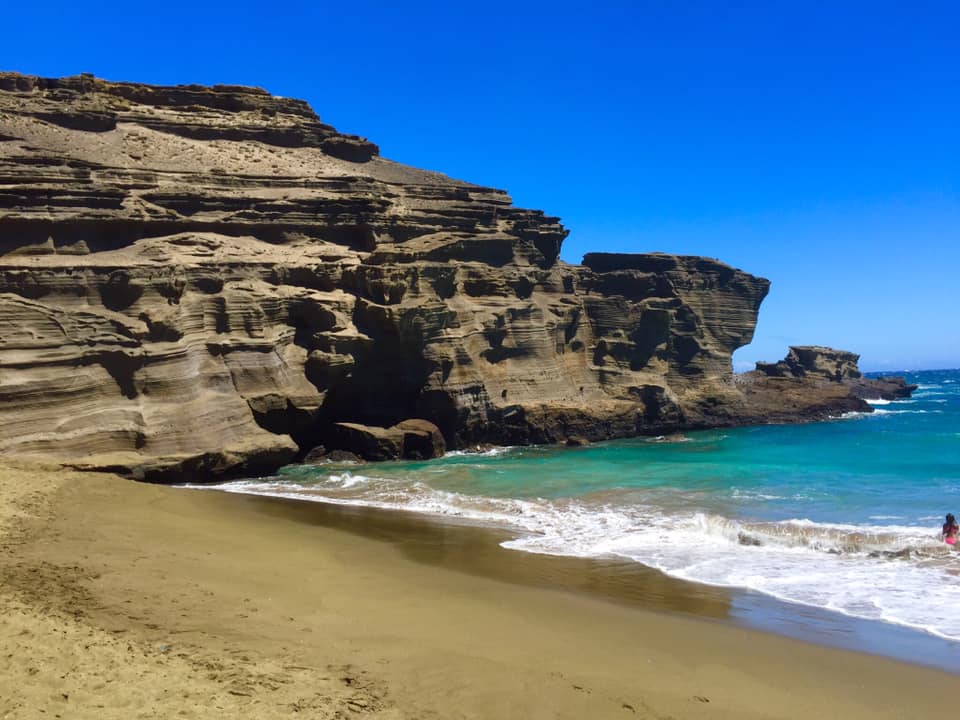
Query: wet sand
x=467, y=548
x=128, y=600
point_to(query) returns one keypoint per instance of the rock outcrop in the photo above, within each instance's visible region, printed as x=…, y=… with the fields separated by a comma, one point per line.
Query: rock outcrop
x=839, y=366
x=815, y=361
x=209, y=280
x=813, y=383
x=883, y=388
x=412, y=439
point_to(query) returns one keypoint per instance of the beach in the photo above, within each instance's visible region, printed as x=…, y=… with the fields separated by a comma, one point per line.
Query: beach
x=122, y=599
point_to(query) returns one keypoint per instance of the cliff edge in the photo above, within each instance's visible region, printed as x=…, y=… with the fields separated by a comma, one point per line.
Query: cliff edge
x=207, y=280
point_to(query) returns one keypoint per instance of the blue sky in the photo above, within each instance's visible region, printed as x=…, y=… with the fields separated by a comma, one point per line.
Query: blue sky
x=814, y=143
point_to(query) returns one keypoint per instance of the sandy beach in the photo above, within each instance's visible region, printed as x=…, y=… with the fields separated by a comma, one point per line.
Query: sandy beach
x=121, y=599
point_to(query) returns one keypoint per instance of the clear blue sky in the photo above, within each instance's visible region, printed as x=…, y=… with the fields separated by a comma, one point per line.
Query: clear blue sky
x=814, y=143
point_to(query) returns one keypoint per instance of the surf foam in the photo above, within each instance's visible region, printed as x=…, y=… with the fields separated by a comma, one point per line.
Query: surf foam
x=899, y=574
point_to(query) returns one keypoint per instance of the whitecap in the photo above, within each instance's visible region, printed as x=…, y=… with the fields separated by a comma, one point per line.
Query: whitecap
x=485, y=452
x=855, y=414
x=348, y=480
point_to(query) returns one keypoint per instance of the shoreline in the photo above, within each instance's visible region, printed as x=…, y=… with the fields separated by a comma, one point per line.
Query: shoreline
x=212, y=602
x=619, y=580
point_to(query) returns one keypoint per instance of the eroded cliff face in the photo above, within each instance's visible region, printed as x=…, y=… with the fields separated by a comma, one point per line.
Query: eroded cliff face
x=206, y=279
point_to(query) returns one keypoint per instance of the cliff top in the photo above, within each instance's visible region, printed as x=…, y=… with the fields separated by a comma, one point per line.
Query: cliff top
x=231, y=98
x=138, y=161
x=224, y=113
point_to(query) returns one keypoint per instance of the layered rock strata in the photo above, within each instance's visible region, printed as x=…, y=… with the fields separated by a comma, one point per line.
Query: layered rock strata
x=814, y=383
x=820, y=366
x=207, y=280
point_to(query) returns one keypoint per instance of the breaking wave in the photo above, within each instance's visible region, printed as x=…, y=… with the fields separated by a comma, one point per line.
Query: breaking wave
x=893, y=573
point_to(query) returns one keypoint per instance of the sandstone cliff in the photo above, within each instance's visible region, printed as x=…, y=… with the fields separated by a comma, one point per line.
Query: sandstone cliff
x=208, y=279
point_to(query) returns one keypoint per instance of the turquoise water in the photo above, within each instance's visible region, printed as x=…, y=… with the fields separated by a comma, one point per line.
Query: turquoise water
x=841, y=515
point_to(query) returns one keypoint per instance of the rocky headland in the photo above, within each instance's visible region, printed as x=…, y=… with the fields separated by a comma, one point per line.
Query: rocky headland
x=198, y=281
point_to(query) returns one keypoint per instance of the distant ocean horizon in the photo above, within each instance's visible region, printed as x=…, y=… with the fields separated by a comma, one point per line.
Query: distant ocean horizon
x=842, y=515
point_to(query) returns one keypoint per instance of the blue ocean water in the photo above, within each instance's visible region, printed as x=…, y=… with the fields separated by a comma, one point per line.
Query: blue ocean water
x=842, y=515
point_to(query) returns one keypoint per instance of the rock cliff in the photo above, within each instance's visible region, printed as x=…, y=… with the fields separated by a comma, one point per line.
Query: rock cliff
x=205, y=280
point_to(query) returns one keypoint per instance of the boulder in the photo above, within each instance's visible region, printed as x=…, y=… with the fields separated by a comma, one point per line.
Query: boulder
x=422, y=439
x=412, y=439
x=368, y=441
x=320, y=454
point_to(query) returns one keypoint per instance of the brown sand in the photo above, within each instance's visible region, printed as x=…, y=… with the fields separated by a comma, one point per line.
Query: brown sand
x=128, y=600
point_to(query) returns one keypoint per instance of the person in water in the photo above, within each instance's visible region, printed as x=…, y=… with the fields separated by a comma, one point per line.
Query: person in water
x=951, y=530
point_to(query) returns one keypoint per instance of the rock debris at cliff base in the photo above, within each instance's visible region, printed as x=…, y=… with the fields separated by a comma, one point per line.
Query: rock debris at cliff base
x=197, y=281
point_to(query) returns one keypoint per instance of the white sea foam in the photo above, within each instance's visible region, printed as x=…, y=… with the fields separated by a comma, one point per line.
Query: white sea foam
x=348, y=480
x=900, y=574
x=905, y=572
x=927, y=394
x=878, y=401
x=884, y=412
x=738, y=494
x=487, y=452
x=855, y=415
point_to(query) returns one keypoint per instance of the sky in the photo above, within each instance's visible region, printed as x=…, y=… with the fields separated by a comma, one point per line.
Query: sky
x=816, y=144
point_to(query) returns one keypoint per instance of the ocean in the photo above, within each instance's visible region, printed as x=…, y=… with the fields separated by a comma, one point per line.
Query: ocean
x=842, y=515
